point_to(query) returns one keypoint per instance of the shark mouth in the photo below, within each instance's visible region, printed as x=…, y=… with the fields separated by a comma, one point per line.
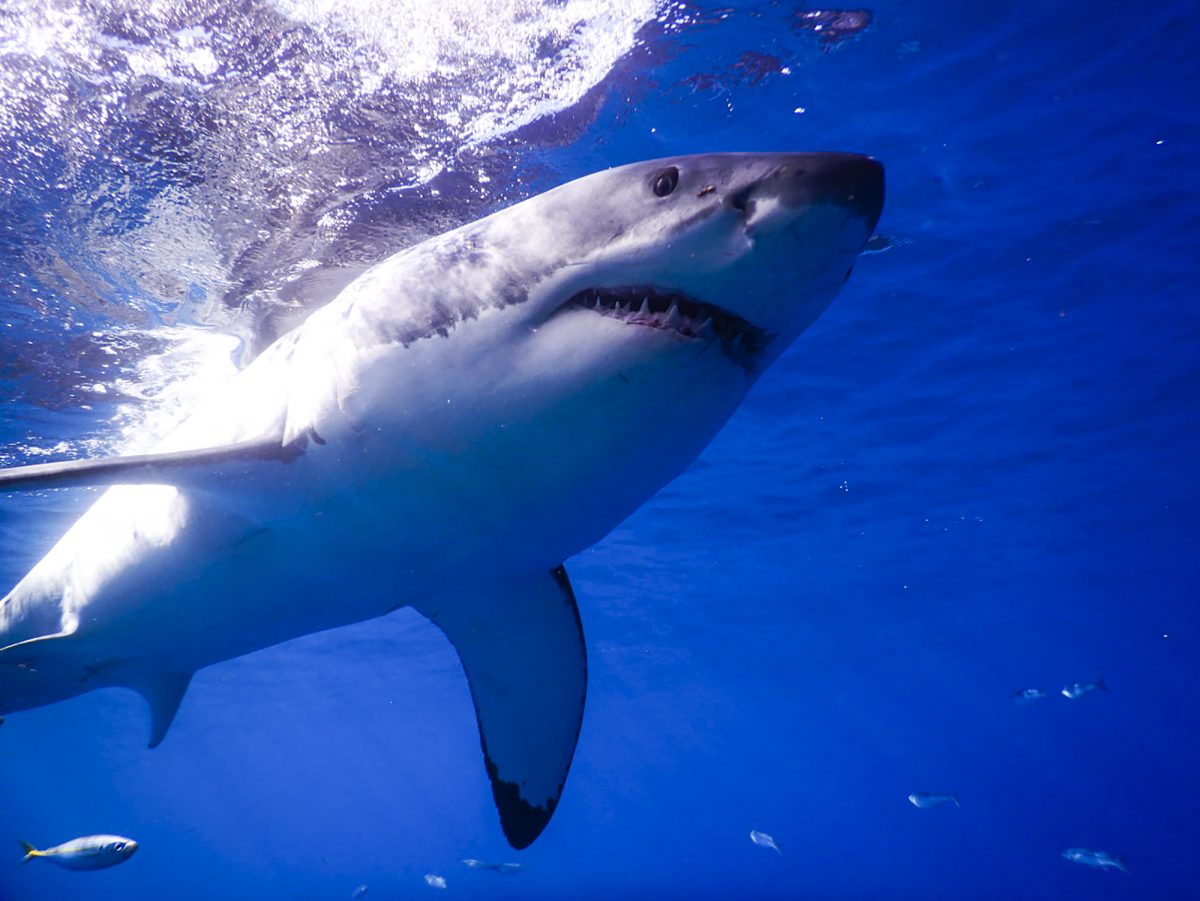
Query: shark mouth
x=671, y=311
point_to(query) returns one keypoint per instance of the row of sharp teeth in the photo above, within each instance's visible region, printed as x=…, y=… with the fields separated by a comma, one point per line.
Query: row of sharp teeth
x=682, y=315
x=672, y=318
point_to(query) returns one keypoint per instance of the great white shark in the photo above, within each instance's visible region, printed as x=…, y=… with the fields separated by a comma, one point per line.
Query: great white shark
x=458, y=421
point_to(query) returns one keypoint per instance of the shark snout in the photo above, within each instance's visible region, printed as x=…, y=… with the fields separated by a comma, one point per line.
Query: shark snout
x=803, y=180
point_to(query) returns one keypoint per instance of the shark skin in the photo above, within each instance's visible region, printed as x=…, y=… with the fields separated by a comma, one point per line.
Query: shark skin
x=458, y=421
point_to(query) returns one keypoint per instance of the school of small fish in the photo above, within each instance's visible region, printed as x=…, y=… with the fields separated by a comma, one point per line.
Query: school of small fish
x=96, y=852
x=1023, y=696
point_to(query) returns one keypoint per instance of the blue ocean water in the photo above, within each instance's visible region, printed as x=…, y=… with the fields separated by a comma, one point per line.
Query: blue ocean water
x=977, y=472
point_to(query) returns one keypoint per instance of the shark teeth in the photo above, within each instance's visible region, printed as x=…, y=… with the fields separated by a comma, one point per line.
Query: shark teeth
x=674, y=312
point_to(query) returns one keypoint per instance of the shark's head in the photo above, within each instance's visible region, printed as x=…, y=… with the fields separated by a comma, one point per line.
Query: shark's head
x=724, y=258
x=573, y=353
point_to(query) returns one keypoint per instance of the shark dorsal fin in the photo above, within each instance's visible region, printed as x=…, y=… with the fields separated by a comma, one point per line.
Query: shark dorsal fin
x=163, y=692
x=523, y=653
x=165, y=467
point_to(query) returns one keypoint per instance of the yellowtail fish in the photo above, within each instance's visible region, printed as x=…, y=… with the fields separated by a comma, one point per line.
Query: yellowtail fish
x=91, y=852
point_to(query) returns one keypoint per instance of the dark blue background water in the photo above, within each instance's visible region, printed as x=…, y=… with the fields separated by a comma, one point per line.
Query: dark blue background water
x=977, y=472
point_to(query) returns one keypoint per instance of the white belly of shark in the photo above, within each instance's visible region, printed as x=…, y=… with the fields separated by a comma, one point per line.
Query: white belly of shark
x=457, y=422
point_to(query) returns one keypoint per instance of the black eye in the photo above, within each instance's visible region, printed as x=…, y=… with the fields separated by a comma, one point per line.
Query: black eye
x=665, y=182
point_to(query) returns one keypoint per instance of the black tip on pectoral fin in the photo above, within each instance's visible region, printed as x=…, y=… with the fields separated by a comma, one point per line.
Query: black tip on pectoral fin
x=521, y=821
x=525, y=660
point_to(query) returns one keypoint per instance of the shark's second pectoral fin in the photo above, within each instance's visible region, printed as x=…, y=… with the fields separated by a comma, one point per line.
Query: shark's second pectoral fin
x=523, y=653
x=164, y=692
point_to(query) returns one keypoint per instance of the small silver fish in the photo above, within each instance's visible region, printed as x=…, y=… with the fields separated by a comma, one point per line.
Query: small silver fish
x=1099, y=859
x=925, y=800
x=494, y=867
x=1078, y=689
x=434, y=881
x=1028, y=695
x=360, y=892
x=91, y=852
x=763, y=840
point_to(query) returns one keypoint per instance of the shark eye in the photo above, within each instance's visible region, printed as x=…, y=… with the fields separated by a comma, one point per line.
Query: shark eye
x=119, y=846
x=665, y=182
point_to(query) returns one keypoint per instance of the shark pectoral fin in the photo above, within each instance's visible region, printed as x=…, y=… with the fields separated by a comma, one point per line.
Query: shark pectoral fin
x=524, y=656
x=37, y=646
x=166, y=468
x=163, y=691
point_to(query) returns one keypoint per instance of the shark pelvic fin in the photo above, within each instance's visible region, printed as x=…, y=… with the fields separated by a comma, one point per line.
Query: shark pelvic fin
x=524, y=657
x=163, y=691
x=167, y=467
